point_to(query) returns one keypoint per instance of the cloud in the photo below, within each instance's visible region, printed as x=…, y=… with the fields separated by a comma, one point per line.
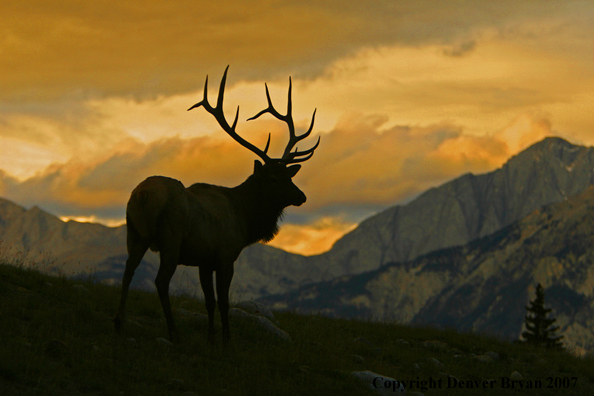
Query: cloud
x=359, y=167
x=359, y=163
x=73, y=51
x=314, y=238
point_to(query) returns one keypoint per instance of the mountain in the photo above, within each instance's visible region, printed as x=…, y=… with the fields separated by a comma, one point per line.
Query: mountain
x=482, y=286
x=454, y=213
x=463, y=209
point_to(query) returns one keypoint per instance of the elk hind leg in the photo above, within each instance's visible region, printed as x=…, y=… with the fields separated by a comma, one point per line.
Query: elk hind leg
x=224, y=277
x=136, y=250
x=166, y=271
x=209, y=298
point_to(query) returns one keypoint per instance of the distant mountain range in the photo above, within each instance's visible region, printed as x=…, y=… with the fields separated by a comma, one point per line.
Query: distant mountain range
x=453, y=214
x=481, y=286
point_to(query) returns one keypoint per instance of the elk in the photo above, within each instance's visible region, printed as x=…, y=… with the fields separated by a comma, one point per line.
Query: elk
x=208, y=226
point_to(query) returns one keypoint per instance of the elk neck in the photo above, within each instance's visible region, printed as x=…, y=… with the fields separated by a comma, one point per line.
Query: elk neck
x=259, y=211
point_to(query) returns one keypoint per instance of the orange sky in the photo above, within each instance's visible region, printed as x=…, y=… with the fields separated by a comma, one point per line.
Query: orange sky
x=409, y=95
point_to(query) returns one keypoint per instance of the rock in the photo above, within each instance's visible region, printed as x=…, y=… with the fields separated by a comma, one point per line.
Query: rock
x=516, y=376
x=402, y=342
x=131, y=340
x=258, y=309
x=191, y=314
x=483, y=358
x=96, y=348
x=80, y=288
x=416, y=366
x=262, y=322
x=381, y=384
x=434, y=361
x=358, y=359
x=436, y=345
x=163, y=341
x=492, y=355
x=189, y=394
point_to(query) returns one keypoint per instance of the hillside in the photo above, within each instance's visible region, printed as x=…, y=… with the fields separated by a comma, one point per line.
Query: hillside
x=481, y=286
x=56, y=338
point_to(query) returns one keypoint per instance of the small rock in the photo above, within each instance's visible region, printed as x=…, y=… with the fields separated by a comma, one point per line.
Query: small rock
x=258, y=309
x=131, y=340
x=358, y=359
x=96, y=348
x=163, y=341
x=484, y=358
x=383, y=385
x=189, y=394
x=416, y=366
x=49, y=284
x=22, y=289
x=80, y=288
x=304, y=368
x=516, y=376
x=435, y=344
x=402, y=342
x=492, y=355
x=194, y=315
x=434, y=361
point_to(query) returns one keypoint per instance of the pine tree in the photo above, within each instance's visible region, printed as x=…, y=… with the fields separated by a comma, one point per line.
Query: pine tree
x=538, y=327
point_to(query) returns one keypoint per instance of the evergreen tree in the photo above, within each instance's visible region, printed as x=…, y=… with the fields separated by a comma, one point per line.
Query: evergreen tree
x=538, y=327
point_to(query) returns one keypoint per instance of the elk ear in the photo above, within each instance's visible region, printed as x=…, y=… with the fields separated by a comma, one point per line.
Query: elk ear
x=292, y=170
x=257, y=166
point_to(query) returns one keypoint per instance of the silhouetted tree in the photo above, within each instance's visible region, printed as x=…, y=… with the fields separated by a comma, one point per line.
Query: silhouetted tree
x=538, y=327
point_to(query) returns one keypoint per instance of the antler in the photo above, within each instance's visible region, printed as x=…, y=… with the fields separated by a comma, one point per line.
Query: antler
x=217, y=112
x=288, y=156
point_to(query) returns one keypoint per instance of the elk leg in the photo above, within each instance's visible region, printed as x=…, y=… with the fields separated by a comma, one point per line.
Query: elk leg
x=166, y=271
x=136, y=250
x=224, y=276
x=209, y=298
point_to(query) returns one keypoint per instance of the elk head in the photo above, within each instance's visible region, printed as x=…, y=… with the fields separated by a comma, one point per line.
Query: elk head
x=274, y=175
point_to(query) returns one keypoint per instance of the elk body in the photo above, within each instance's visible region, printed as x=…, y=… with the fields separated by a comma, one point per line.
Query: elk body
x=208, y=226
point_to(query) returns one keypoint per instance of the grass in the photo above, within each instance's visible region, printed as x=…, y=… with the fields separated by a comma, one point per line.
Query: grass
x=58, y=340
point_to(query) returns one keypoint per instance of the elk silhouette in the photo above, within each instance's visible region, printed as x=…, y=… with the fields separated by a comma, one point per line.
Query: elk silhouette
x=208, y=226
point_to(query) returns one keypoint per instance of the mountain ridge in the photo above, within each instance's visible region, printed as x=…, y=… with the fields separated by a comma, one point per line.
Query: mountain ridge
x=451, y=214
x=481, y=286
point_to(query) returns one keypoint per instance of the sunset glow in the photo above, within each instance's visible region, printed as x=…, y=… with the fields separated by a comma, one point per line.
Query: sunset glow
x=408, y=95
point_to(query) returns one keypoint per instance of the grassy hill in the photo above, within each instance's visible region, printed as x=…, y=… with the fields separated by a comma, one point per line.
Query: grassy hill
x=56, y=338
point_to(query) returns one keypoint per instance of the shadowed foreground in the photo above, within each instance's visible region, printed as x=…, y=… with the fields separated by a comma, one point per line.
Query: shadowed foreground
x=56, y=338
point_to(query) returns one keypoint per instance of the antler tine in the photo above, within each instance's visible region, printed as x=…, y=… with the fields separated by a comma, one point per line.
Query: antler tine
x=288, y=156
x=217, y=112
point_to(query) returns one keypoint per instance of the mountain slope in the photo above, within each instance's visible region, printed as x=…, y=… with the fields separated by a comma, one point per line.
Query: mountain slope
x=481, y=286
x=463, y=209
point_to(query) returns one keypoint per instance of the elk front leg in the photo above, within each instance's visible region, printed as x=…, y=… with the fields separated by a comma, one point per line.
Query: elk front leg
x=224, y=277
x=209, y=298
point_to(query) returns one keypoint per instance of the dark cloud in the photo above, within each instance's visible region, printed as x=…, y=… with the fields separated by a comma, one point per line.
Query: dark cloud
x=67, y=49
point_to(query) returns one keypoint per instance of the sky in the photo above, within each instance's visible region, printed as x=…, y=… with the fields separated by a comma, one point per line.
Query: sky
x=409, y=94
